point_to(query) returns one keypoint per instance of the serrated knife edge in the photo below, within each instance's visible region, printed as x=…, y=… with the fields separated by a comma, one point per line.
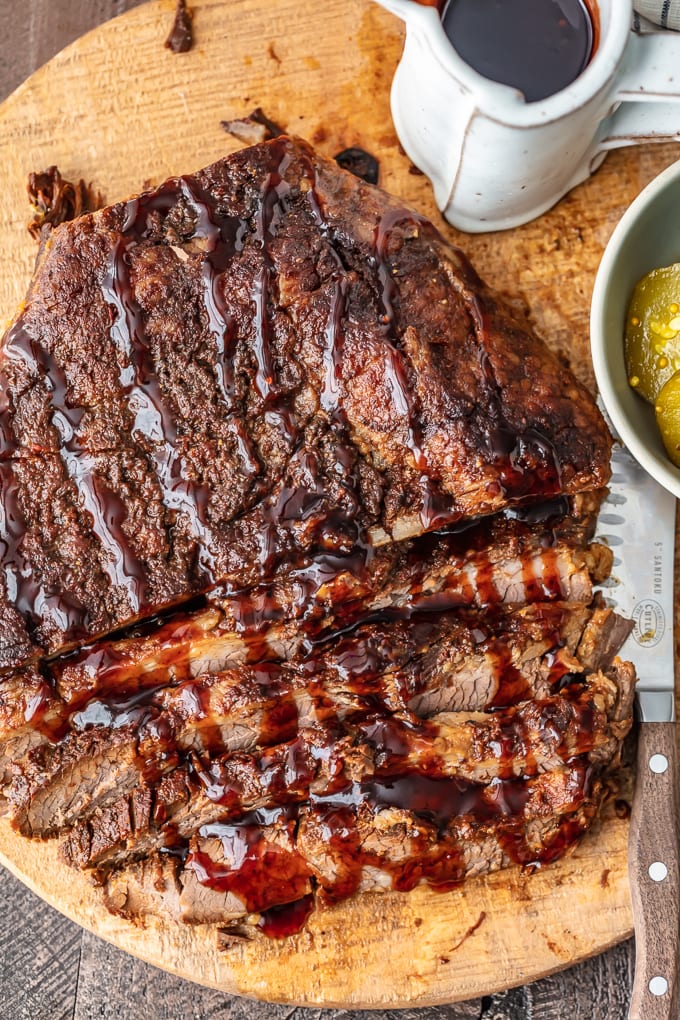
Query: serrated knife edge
x=637, y=520
x=639, y=515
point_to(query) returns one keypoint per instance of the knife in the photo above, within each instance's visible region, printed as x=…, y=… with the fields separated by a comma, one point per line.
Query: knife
x=638, y=521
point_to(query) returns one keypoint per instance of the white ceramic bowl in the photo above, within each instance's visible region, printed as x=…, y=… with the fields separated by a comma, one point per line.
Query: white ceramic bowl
x=647, y=236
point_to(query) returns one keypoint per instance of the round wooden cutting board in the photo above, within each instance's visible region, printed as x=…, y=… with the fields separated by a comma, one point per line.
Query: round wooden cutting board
x=118, y=109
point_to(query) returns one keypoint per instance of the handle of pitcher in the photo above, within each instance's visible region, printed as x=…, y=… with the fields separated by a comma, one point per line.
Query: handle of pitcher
x=647, y=93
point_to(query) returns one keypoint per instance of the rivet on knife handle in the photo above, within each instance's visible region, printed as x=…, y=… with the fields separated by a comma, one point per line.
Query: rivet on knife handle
x=654, y=880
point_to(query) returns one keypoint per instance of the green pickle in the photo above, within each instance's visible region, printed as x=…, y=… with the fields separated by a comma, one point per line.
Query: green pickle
x=667, y=407
x=652, y=343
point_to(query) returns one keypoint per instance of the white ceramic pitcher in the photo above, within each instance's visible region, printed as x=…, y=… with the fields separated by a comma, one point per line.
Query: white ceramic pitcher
x=496, y=161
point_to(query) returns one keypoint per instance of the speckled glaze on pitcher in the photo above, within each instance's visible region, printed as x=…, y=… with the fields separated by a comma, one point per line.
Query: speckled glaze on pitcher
x=496, y=161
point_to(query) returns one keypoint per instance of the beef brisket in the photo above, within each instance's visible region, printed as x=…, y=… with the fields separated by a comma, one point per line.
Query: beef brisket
x=244, y=367
x=483, y=565
x=297, y=522
x=428, y=665
x=588, y=721
x=381, y=841
x=147, y=889
x=235, y=870
x=281, y=621
x=359, y=842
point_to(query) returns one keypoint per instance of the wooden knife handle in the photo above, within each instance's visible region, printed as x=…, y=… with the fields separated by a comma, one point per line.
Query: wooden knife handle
x=653, y=873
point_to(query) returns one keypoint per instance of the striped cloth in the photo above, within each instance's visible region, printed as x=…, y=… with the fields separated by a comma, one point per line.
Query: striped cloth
x=661, y=12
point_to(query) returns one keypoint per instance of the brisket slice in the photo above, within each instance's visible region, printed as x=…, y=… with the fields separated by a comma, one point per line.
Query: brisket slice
x=183, y=803
x=493, y=562
x=235, y=870
x=589, y=721
x=265, y=625
x=430, y=664
x=261, y=864
x=524, y=654
x=30, y=715
x=440, y=834
x=149, y=888
x=97, y=767
x=263, y=362
x=357, y=842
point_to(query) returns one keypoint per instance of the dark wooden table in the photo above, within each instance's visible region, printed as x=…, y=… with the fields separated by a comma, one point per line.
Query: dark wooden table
x=49, y=968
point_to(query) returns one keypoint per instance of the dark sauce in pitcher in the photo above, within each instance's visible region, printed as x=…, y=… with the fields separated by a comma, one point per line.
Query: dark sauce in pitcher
x=536, y=46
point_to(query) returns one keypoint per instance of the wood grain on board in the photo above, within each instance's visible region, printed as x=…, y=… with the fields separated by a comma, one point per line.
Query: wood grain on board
x=119, y=109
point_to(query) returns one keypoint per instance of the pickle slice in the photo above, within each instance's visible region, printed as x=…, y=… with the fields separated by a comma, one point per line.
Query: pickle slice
x=667, y=409
x=652, y=343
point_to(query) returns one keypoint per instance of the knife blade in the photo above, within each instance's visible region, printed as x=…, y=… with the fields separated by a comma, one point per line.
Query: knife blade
x=638, y=521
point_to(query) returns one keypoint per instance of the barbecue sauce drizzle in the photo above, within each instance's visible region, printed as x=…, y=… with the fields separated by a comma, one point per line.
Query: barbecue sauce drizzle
x=362, y=663
x=106, y=511
x=154, y=424
x=107, y=666
x=111, y=670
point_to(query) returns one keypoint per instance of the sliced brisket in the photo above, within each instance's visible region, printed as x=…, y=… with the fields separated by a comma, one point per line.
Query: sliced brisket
x=588, y=721
x=106, y=745
x=297, y=586
x=358, y=842
x=483, y=565
x=398, y=833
